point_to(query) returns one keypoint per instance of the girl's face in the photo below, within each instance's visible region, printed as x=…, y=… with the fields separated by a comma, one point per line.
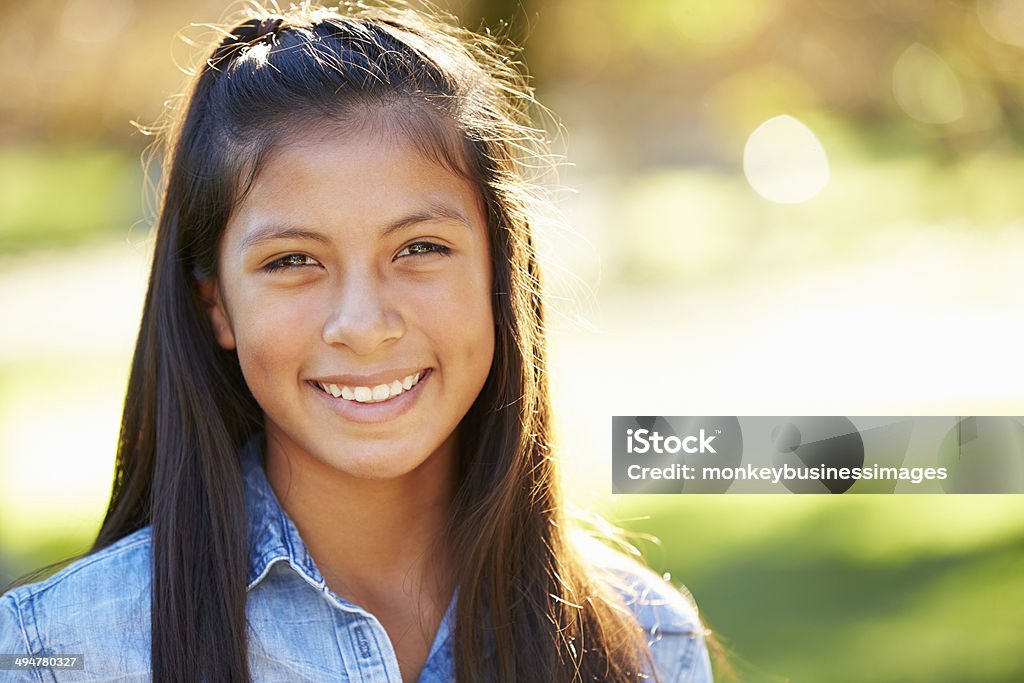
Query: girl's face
x=355, y=284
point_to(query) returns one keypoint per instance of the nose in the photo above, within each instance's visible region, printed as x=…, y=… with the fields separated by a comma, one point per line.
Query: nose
x=362, y=316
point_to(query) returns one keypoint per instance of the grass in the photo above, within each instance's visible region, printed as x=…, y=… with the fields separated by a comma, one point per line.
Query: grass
x=873, y=588
x=61, y=197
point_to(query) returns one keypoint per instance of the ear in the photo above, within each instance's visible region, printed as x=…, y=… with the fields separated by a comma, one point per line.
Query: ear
x=219, y=319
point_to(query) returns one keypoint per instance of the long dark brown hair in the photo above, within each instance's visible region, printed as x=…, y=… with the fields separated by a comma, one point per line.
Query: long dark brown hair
x=188, y=408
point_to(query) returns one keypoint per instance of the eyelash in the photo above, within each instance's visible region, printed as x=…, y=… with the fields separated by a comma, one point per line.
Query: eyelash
x=280, y=264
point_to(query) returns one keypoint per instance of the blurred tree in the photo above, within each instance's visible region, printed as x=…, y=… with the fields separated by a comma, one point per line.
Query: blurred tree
x=509, y=18
x=937, y=77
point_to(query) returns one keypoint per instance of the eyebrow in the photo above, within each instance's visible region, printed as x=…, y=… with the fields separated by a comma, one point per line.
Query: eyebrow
x=438, y=213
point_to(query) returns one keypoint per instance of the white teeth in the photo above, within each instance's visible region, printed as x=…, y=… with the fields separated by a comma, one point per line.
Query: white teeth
x=381, y=392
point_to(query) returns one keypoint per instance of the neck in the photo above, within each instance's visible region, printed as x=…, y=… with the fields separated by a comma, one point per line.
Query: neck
x=377, y=543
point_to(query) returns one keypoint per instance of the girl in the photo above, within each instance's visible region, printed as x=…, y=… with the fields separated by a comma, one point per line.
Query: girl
x=335, y=459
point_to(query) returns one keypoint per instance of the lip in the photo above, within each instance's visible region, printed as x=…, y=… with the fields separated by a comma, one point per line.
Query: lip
x=373, y=413
x=385, y=377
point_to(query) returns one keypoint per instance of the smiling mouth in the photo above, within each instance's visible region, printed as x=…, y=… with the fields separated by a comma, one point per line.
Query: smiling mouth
x=374, y=394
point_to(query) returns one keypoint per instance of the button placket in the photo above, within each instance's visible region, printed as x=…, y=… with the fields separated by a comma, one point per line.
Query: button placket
x=370, y=647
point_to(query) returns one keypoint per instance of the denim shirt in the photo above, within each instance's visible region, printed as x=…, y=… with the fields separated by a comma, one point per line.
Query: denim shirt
x=99, y=606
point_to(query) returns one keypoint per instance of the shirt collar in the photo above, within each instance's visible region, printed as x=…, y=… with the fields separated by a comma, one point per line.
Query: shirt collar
x=273, y=538
x=272, y=535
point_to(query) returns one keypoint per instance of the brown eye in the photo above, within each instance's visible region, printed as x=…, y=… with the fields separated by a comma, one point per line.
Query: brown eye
x=290, y=261
x=424, y=249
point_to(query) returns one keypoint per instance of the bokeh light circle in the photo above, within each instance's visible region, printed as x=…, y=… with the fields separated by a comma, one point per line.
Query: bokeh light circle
x=1003, y=20
x=784, y=161
x=925, y=86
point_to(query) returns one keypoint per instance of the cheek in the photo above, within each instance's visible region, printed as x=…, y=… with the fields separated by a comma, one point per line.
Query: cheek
x=472, y=318
x=457, y=316
x=270, y=337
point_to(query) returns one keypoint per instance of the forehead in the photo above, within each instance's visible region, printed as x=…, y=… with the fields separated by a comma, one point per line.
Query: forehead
x=356, y=178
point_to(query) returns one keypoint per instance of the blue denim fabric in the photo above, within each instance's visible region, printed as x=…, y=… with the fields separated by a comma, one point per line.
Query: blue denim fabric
x=299, y=629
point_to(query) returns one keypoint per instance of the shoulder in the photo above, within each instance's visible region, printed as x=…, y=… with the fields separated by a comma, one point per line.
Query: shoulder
x=668, y=614
x=93, y=580
x=98, y=605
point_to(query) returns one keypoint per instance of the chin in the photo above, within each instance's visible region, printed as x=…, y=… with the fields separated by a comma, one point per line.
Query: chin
x=379, y=473
x=376, y=468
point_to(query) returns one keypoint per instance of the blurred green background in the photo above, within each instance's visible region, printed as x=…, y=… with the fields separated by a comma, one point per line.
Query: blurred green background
x=769, y=207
